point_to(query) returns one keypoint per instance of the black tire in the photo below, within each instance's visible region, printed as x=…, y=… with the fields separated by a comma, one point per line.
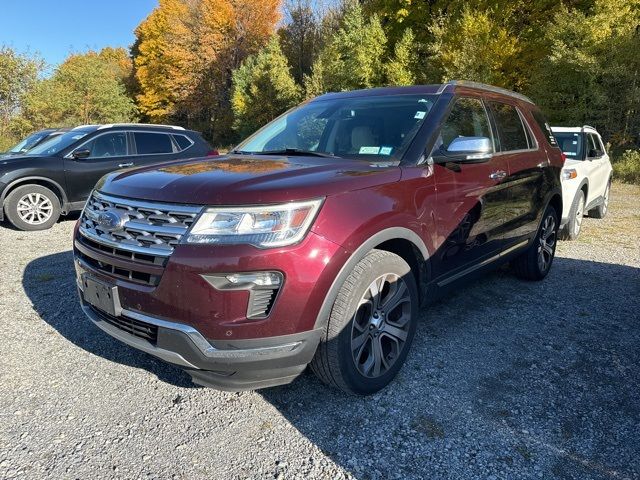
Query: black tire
x=601, y=210
x=576, y=214
x=43, y=219
x=527, y=266
x=334, y=362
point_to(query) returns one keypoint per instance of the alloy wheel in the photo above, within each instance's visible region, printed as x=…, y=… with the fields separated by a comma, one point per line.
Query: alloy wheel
x=35, y=208
x=380, y=326
x=547, y=243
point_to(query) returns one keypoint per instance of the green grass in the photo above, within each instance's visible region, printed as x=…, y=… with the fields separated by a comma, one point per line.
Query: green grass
x=626, y=169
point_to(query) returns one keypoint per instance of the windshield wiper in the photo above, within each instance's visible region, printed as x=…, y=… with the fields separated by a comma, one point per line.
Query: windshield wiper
x=289, y=151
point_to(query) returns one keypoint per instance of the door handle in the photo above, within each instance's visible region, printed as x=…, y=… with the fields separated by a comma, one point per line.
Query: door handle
x=498, y=175
x=125, y=165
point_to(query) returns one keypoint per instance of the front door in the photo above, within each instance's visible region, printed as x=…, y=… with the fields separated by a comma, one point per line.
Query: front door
x=107, y=152
x=471, y=197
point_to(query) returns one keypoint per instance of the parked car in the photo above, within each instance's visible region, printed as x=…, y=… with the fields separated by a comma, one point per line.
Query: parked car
x=586, y=177
x=56, y=177
x=32, y=141
x=317, y=239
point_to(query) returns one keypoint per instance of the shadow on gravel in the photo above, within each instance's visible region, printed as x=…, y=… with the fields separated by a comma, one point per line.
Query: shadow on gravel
x=49, y=282
x=506, y=379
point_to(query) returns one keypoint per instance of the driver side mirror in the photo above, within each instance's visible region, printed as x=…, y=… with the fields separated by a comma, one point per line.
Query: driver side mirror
x=465, y=149
x=595, y=153
x=81, y=154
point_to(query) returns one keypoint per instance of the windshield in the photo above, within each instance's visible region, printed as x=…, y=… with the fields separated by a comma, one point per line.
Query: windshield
x=571, y=144
x=28, y=142
x=58, y=143
x=378, y=128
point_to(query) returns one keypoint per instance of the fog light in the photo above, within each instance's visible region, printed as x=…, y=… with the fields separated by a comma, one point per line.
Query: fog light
x=259, y=279
x=263, y=289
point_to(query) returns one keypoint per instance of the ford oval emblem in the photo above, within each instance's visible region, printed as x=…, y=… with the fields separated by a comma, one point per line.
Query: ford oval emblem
x=110, y=220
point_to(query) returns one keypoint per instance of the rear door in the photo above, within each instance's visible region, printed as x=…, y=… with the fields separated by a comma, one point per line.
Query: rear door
x=526, y=162
x=109, y=151
x=597, y=166
x=470, y=196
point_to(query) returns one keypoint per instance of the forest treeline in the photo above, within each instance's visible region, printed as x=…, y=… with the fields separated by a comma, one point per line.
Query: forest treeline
x=225, y=67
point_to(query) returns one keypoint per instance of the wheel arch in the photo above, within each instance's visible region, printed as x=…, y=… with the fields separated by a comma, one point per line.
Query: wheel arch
x=399, y=240
x=52, y=185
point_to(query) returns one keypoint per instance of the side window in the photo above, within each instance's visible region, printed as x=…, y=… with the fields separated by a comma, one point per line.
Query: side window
x=511, y=133
x=468, y=118
x=108, y=145
x=182, y=141
x=148, y=143
x=595, y=149
x=545, y=127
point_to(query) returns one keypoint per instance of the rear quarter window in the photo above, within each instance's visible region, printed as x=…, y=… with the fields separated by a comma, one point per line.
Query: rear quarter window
x=182, y=141
x=544, y=127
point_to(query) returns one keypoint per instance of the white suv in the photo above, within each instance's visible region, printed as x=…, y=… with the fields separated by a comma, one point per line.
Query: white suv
x=586, y=177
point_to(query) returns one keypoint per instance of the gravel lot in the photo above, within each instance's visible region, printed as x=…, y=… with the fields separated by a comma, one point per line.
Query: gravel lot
x=506, y=379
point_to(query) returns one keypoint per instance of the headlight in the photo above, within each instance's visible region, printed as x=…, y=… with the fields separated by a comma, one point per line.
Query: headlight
x=569, y=173
x=263, y=227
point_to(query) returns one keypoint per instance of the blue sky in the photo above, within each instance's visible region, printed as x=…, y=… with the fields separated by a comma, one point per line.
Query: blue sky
x=54, y=28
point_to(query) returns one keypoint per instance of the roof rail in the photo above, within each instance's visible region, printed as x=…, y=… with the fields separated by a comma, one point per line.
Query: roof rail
x=79, y=127
x=490, y=88
x=110, y=125
x=589, y=126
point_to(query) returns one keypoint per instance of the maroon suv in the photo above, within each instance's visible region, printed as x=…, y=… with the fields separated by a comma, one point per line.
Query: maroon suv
x=318, y=239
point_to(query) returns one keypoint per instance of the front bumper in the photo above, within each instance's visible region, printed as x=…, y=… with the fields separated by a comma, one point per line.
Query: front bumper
x=227, y=365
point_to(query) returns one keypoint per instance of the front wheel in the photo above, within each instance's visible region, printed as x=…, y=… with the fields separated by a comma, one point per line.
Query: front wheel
x=371, y=326
x=535, y=262
x=32, y=207
x=576, y=213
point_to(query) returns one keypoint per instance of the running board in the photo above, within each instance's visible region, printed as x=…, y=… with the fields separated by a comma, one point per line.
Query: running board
x=483, y=263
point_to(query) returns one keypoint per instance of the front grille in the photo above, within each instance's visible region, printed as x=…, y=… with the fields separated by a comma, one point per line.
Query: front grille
x=133, y=327
x=144, y=234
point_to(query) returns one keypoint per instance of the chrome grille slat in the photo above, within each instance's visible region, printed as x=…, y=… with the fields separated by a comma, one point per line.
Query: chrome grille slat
x=149, y=228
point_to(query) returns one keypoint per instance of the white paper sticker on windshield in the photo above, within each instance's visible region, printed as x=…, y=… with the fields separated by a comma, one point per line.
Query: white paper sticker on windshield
x=385, y=150
x=369, y=150
x=420, y=115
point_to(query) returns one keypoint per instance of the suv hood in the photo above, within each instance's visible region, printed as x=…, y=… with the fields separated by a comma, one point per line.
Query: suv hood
x=247, y=179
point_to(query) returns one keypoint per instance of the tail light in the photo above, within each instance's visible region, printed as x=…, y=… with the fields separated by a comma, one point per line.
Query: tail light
x=563, y=157
x=213, y=153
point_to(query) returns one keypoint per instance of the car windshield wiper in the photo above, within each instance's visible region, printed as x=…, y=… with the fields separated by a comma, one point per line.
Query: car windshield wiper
x=289, y=151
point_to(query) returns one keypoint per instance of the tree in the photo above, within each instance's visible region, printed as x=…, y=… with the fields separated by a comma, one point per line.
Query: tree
x=353, y=58
x=185, y=53
x=263, y=88
x=84, y=89
x=474, y=47
x=399, y=70
x=592, y=72
x=18, y=74
x=301, y=37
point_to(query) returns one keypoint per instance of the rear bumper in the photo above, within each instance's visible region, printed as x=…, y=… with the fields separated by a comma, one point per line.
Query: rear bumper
x=226, y=365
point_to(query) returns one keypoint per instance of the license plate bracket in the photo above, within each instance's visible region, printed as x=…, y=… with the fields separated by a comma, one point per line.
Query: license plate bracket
x=102, y=295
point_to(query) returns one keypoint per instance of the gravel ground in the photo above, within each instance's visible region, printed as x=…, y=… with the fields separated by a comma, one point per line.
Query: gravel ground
x=507, y=379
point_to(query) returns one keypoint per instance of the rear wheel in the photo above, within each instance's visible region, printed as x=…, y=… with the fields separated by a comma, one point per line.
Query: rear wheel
x=32, y=207
x=576, y=214
x=371, y=326
x=601, y=210
x=535, y=262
